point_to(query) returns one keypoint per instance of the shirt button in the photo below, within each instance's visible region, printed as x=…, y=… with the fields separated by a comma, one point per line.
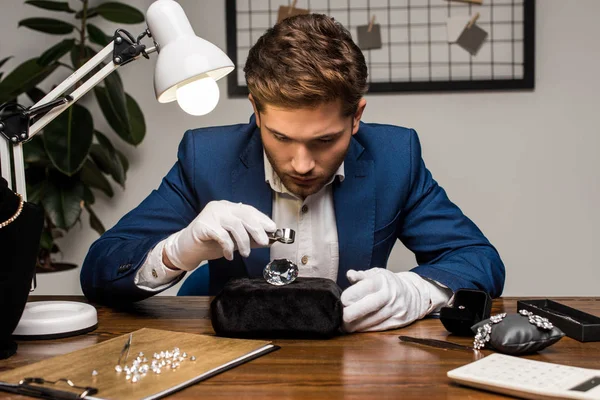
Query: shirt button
x=304, y=209
x=154, y=273
x=304, y=260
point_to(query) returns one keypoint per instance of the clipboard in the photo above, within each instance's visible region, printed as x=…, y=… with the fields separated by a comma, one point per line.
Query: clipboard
x=69, y=376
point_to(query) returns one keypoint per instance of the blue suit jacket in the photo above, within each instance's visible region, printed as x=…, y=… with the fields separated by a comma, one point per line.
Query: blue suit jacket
x=387, y=194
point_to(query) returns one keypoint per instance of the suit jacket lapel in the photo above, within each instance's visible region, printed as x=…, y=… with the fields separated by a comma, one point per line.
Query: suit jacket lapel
x=249, y=187
x=354, y=201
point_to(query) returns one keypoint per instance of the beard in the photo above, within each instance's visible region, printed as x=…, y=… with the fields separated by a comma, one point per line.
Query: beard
x=314, y=181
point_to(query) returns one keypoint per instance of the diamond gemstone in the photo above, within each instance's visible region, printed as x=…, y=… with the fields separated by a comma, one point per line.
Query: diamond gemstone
x=280, y=272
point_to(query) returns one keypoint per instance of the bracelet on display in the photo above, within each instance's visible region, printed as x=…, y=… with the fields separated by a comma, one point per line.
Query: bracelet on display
x=484, y=332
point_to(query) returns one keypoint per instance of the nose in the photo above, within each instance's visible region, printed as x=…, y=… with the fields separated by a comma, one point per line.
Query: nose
x=303, y=162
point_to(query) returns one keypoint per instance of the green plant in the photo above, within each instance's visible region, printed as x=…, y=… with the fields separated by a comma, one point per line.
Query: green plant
x=70, y=160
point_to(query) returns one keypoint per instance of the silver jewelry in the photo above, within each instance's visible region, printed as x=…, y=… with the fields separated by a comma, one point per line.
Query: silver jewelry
x=484, y=332
x=18, y=212
x=536, y=320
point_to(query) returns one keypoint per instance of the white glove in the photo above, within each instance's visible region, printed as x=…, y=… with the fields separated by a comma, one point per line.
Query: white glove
x=380, y=299
x=220, y=229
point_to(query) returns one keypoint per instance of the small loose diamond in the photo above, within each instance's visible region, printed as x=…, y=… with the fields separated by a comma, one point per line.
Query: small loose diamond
x=94, y=373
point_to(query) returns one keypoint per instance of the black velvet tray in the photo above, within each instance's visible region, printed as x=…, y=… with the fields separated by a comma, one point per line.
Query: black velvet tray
x=574, y=323
x=253, y=308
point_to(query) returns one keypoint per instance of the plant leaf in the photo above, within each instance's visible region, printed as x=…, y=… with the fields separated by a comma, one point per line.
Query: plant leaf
x=120, y=13
x=51, y=5
x=116, y=94
x=124, y=162
x=133, y=129
x=113, y=103
x=48, y=25
x=88, y=195
x=55, y=52
x=93, y=177
x=95, y=222
x=97, y=36
x=23, y=78
x=34, y=151
x=78, y=59
x=91, y=13
x=4, y=60
x=68, y=138
x=35, y=94
x=46, y=241
x=63, y=200
x=137, y=123
x=100, y=158
x=105, y=156
x=35, y=191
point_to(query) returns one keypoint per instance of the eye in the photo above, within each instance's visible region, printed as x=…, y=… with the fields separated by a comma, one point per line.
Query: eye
x=326, y=140
x=281, y=138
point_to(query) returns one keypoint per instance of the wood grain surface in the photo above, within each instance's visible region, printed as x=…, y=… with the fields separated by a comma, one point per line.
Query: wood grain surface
x=357, y=366
x=208, y=352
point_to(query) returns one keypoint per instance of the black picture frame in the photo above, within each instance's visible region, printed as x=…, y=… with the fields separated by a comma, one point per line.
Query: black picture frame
x=527, y=82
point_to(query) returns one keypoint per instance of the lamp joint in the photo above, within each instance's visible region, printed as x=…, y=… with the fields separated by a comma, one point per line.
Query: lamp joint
x=126, y=48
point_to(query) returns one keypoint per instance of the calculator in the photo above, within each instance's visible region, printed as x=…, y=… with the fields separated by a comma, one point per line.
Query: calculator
x=528, y=379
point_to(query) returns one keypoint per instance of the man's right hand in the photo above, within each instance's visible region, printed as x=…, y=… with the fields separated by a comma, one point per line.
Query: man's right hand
x=220, y=229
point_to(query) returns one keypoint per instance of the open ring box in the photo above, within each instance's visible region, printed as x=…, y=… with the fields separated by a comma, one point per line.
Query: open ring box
x=470, y=306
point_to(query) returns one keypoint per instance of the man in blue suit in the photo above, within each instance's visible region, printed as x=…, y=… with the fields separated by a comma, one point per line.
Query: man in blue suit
x=305, y=161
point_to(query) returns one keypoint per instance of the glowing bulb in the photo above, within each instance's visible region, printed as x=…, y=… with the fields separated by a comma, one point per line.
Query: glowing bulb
x=198, y=97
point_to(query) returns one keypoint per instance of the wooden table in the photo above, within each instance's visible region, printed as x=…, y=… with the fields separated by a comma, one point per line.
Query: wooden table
x=360, y=366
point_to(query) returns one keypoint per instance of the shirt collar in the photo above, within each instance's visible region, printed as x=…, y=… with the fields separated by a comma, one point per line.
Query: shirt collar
x=274, y=181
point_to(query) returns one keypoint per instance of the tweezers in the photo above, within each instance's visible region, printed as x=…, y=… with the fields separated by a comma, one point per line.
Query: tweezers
x=440, y=344
x=125, y=349
x=284, y=235
x=26, y=387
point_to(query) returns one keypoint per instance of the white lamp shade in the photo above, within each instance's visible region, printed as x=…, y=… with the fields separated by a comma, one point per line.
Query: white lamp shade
x=183, y=57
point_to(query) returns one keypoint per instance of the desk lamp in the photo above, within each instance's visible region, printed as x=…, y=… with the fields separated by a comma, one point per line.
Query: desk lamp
x=186, y=70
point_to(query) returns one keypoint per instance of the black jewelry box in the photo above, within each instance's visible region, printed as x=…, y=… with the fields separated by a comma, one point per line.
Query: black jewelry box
x=574, y=323
x=470, y=306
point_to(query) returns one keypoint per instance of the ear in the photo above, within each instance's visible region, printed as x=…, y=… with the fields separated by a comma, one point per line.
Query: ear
x=358, y=115
x=256, y=114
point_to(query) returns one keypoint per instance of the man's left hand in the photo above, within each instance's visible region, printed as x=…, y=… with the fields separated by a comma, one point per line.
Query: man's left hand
x=380, y=299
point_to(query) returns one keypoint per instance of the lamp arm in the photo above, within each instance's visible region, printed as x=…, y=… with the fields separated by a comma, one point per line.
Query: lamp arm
x=75, y=77
x=119, y=49
x=75, y=95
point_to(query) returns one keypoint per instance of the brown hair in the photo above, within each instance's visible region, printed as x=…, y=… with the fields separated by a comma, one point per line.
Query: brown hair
x=304, y=61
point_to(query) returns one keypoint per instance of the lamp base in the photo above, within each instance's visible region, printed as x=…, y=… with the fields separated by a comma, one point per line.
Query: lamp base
x=55, y=319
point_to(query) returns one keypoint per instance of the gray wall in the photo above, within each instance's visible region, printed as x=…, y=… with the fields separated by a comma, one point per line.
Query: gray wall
x=524, y=165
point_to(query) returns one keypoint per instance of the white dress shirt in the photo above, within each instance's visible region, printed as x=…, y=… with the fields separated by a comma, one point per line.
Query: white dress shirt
x=315, y=250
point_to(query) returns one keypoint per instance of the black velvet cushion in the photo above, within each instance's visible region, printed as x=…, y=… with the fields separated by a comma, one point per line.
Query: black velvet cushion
x=19, y=242
x=516, y=335
x=253, y=308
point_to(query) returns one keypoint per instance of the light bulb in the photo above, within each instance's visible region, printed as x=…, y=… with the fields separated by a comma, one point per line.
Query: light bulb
x=198, y=97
